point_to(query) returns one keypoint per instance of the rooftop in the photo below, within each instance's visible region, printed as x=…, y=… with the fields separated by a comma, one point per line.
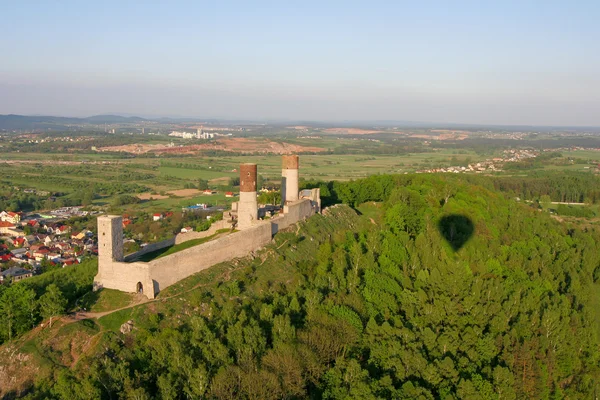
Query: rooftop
x=15, y=271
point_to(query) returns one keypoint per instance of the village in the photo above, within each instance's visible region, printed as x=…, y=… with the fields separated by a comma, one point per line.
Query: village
x=491, y=165
x=31, y=243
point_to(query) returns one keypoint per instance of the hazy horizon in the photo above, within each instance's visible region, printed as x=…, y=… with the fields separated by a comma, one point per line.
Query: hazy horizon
x=512, y=63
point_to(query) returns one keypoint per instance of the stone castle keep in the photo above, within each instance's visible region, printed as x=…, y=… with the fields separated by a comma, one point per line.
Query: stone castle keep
x=121, y=272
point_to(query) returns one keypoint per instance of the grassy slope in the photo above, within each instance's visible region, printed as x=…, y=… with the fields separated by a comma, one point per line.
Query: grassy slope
x=105, y=300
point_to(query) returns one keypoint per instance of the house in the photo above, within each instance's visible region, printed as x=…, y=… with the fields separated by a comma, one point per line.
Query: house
x=70, y=261
x=229, y=194
x=9, y=229
x=9, y=216
x=54, y=257
x=78, y=236
x=157, y=217
x=19, y=252
x=61, y=230
x=36, y=247
x=49, y=228
x=42, y=253
x=63, y=246
x=207, y=191
x=187, y=229
x=20, y=260
x=20, y=242
x=16, y=273
x=34, y=223
x=5, y=227
x=126, y=222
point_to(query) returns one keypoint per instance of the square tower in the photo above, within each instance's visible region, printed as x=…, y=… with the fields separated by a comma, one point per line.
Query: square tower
x=110, y=238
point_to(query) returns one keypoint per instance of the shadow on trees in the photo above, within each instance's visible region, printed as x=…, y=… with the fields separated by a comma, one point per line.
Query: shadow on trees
x=87, y=301
x=456, y=229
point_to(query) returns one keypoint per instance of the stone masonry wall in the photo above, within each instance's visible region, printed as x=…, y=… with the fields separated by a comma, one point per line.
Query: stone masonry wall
x=292, y=213
x=177, y=239
x=125, y=277
x=168, y=270
x=184, y=237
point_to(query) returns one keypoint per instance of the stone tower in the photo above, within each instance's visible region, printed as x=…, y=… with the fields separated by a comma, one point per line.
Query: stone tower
x=247, y=206
x=110, y=239
x=289, y=178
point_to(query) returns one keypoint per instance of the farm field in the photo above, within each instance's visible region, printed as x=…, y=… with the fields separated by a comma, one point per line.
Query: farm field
x=592, y=155
x=153, y=178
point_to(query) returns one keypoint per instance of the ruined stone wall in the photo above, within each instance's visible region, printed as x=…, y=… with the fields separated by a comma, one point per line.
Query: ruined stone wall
x=177, y=239
x=168, y=270
x=163, y=272
x=292, y=213
x=184, y=237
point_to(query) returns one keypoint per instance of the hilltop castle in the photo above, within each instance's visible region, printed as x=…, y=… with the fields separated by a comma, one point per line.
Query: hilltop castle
x=117, y=271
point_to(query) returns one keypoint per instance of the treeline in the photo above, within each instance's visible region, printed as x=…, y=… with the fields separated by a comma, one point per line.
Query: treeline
x=574, y=211
x=14, y=200
x=447, y=290
x=59, y=146
x=200, y=167
x=575, y=188
x=580, y=188
x=385, y=147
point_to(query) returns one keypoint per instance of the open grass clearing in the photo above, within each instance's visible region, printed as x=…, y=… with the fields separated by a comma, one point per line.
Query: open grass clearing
x=105, y=300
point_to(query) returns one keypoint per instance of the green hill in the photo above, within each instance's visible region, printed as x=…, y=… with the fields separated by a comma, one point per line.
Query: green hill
x=438, y=289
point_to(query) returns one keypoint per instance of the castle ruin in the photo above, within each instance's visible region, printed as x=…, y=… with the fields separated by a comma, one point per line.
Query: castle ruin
x=125, y=273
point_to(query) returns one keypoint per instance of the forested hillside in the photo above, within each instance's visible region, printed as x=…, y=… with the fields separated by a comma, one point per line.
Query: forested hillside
x=440, y=289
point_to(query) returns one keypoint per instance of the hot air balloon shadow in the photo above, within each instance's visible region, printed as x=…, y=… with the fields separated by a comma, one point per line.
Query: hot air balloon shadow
x=456, y=229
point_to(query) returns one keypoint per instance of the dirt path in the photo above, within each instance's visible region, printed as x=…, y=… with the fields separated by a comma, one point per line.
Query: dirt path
x=81, y=315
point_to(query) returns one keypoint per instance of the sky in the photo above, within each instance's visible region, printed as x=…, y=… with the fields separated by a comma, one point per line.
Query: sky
x=481, y=62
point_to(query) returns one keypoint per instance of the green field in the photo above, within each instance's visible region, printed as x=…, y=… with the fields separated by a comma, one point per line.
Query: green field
x=193, y=174
x=161, y=174
x=592, y=155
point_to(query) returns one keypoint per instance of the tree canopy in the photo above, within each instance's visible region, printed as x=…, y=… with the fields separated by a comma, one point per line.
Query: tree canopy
x=382, y=305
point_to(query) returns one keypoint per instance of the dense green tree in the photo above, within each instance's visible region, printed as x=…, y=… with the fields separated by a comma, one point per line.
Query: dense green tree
x=52, y=303
x=202, y=184
x=18, y=311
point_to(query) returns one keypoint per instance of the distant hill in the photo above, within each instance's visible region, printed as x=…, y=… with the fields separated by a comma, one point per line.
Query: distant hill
x=25, y=122
x=112, y=119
